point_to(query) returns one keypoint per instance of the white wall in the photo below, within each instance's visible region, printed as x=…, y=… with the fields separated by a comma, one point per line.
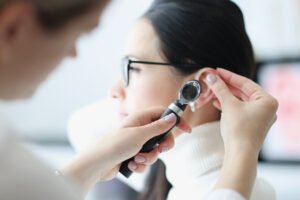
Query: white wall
x=273, y=26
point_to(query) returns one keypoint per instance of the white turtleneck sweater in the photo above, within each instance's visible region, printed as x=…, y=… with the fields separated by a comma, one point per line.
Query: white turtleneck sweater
x=194, y=164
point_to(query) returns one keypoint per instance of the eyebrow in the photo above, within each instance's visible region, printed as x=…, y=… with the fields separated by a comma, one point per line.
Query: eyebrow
x=130, y=56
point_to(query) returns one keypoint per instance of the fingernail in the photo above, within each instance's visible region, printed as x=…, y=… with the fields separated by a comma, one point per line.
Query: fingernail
x=211, y=79
x=170, y=118
x=140, y=159
x=132, y=166
x=164, y=149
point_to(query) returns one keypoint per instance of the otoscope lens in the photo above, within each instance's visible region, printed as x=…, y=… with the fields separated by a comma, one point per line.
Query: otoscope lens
x=189, y=92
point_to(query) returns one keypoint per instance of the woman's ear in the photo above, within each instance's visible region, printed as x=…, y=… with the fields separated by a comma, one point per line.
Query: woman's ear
x=206, y=95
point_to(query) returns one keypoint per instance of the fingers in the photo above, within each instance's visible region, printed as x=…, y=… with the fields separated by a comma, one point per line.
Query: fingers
x=150, y=115
x=147, y=158
x=247, y=86
x=217, y=104
x=138, y=168
x=184, y=126
x=219, y=88
x=238, y=93
x=143, y=160
x=154, y=114
x=157, y=127
x=143, y=118
x=167, y=144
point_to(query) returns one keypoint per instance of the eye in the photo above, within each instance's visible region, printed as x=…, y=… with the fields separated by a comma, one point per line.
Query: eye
x=134, y=69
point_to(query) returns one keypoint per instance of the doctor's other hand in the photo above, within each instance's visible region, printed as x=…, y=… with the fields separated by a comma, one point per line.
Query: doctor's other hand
x=102, y=160
x=248, y=111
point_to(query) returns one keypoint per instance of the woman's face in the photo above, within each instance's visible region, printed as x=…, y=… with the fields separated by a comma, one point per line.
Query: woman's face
x=149, y=85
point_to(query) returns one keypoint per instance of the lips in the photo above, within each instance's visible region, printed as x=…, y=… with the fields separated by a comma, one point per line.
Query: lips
x=121, y=110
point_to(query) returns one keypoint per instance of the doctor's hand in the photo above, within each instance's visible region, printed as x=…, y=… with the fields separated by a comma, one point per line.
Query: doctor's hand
x=102, y=160
x=134, y=132
x=247, y=113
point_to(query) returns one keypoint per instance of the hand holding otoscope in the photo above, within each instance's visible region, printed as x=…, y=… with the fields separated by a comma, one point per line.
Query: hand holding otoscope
x=188, y=94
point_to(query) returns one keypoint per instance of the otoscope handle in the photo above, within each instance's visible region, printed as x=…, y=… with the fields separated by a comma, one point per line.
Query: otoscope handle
x=150, y=144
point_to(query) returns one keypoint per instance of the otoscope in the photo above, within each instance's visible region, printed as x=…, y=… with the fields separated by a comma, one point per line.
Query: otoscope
x=188, y=94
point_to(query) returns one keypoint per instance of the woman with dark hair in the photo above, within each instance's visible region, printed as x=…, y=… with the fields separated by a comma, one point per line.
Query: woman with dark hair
x=174, y=42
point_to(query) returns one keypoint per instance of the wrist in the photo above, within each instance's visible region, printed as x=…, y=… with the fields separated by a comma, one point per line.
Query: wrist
x=85, y=170
x=241, y=156
x=241, y=150
x=239, y=170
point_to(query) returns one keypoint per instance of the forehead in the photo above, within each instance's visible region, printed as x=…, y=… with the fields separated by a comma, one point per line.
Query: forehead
x=143, y=42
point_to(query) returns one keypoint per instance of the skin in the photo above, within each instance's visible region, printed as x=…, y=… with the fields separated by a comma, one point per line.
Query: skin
x=239, y=96
x=29, y=53
x=154, y=85
x=163, y=82
x=101, y=161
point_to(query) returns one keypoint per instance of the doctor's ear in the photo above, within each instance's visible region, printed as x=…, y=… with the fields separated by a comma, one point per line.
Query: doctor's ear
x=16, y=18
x=206, y=95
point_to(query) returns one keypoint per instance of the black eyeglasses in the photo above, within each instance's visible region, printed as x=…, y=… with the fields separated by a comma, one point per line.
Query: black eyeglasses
x=126, y=67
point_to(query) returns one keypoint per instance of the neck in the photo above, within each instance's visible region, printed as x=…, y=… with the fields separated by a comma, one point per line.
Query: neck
x=206, y=114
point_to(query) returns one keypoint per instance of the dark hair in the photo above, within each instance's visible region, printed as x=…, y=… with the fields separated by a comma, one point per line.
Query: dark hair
x=53, y=14
x=157, y=186
x=209, y=33
x=205, y=32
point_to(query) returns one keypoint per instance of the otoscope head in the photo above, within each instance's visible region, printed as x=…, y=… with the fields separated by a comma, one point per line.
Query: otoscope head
x=189, y=92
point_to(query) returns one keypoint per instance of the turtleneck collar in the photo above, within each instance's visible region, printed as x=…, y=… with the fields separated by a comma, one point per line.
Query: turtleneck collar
x=195, y=155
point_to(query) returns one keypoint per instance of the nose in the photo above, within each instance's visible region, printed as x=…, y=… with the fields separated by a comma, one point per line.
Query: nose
x=117, y=91
x=73, y=52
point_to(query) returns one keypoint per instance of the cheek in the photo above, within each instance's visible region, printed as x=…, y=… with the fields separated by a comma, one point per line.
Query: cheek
x=60, y=46
x=46, y=59
x=144, y=96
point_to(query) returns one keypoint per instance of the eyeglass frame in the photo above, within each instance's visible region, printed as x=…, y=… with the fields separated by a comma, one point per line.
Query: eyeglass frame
x=126, y=67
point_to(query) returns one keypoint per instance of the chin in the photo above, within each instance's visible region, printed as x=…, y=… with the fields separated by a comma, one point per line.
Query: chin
x=122, y=116
x=13, y=97
x=22, y=95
